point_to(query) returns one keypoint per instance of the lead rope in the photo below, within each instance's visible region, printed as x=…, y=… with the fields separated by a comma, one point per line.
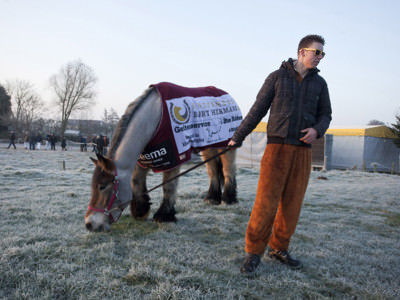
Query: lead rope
x=190, y=169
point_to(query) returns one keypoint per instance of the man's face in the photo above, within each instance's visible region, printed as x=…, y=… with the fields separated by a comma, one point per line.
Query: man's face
x=309, y=57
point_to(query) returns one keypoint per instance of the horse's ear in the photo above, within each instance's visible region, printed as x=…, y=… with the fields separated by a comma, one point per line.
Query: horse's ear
x=101, y=158
x=104, y=163
x=94, y=160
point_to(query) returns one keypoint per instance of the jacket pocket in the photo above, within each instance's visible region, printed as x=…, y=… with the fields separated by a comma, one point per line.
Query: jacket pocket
x=278, y=125
x=308, y=121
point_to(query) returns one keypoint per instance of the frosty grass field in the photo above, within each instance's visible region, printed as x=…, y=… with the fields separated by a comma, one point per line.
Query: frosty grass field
x=348, y=238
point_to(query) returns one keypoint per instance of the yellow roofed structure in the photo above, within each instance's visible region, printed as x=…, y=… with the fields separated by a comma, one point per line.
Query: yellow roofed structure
x=381, y=131
x=368, y=148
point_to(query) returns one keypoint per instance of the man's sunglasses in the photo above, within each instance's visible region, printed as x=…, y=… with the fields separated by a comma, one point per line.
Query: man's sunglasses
x=316, y=51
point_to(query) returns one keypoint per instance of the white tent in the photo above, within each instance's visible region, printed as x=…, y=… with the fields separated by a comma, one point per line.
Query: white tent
x=252, y=150
x=368, y=148
x=365, y=148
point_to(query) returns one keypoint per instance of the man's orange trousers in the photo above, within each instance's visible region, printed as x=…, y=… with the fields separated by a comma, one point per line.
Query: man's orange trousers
x=284, y=173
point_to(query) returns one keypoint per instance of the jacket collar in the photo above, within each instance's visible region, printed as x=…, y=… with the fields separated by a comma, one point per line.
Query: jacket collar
x=289, y=65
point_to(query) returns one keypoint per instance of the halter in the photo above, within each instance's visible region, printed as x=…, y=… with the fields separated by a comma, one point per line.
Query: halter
x=108, y=211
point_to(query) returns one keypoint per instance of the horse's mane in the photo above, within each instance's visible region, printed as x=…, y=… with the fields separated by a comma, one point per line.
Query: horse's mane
x=123, y=123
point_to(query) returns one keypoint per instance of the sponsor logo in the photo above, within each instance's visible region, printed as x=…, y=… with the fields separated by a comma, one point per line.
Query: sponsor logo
x=160, y=156
x=180, y=115
x=178, y=129
x=154, y=154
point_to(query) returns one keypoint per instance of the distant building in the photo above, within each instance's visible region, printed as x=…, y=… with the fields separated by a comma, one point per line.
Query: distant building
x=86, y=127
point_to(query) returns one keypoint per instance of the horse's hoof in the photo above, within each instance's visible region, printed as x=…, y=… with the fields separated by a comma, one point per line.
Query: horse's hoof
x=141, y=211
x=144, y=217
x=164, y=218
x=231, y=202
x=212, y=201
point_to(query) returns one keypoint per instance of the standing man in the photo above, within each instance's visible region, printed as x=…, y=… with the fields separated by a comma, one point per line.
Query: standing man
x=12, y=140
x=38, y=141
x=63, y=144
x=32, y=141
x=300, y=112
x=53, y=141
x=100, y=144
x=26, y=141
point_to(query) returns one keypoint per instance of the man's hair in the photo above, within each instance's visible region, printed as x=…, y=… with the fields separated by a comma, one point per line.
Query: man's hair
x=306, y=41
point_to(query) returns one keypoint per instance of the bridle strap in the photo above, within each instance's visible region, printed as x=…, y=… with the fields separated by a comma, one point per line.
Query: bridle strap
x=190, y=169
x=107, y=211
x=115, y=193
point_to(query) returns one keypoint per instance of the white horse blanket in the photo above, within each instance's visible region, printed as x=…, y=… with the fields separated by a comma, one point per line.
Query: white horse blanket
x=192, y=119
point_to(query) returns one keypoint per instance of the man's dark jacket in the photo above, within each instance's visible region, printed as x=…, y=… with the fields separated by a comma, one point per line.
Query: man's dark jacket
x=294, y=105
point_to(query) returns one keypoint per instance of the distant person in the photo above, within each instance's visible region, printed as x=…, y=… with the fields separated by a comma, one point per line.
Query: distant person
x=12, y=140
x=52, y=140
x=297, y=99
x=38, y=141
x=83, y=144
x=48, y=146
x=26, y=141
x=100, y=144
x=64, y=144
x=32, y=141
x=93, y=141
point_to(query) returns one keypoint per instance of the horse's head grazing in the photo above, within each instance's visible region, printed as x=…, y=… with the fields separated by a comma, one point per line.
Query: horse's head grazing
x=104, y=207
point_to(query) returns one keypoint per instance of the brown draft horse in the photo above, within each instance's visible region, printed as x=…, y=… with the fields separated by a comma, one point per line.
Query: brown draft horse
x=118, y=180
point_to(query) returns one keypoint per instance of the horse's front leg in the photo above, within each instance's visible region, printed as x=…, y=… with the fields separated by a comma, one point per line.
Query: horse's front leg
x=166, y=212
x=140, y=204
x=229, y=195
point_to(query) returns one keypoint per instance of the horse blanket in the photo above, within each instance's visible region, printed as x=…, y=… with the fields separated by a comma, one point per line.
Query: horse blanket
x=192, y=119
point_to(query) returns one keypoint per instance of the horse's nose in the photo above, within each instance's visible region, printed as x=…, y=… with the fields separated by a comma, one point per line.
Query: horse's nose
x=89, y=226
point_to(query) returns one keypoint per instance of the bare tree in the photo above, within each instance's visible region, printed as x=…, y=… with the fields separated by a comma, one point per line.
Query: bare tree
x=26, y=104
x=74, y=87
x=110, y=120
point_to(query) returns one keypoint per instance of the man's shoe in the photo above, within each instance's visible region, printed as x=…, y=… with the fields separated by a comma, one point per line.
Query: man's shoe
x=285, y=258
x=250, y=264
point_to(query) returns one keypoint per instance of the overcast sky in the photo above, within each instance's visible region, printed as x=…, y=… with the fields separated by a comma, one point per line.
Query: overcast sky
x=232, y=45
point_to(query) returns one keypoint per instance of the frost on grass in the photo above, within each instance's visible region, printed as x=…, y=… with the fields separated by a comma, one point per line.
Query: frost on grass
x=348, y=238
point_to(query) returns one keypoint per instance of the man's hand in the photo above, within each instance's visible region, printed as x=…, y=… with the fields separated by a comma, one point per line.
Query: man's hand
x=310, y=135
x=231, y=143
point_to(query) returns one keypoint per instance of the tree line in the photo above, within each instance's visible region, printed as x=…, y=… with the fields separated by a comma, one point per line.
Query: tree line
x=74, y=88
x=74, y=91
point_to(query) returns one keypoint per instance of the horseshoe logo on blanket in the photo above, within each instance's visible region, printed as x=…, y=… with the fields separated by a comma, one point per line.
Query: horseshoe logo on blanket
x=192, y=119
